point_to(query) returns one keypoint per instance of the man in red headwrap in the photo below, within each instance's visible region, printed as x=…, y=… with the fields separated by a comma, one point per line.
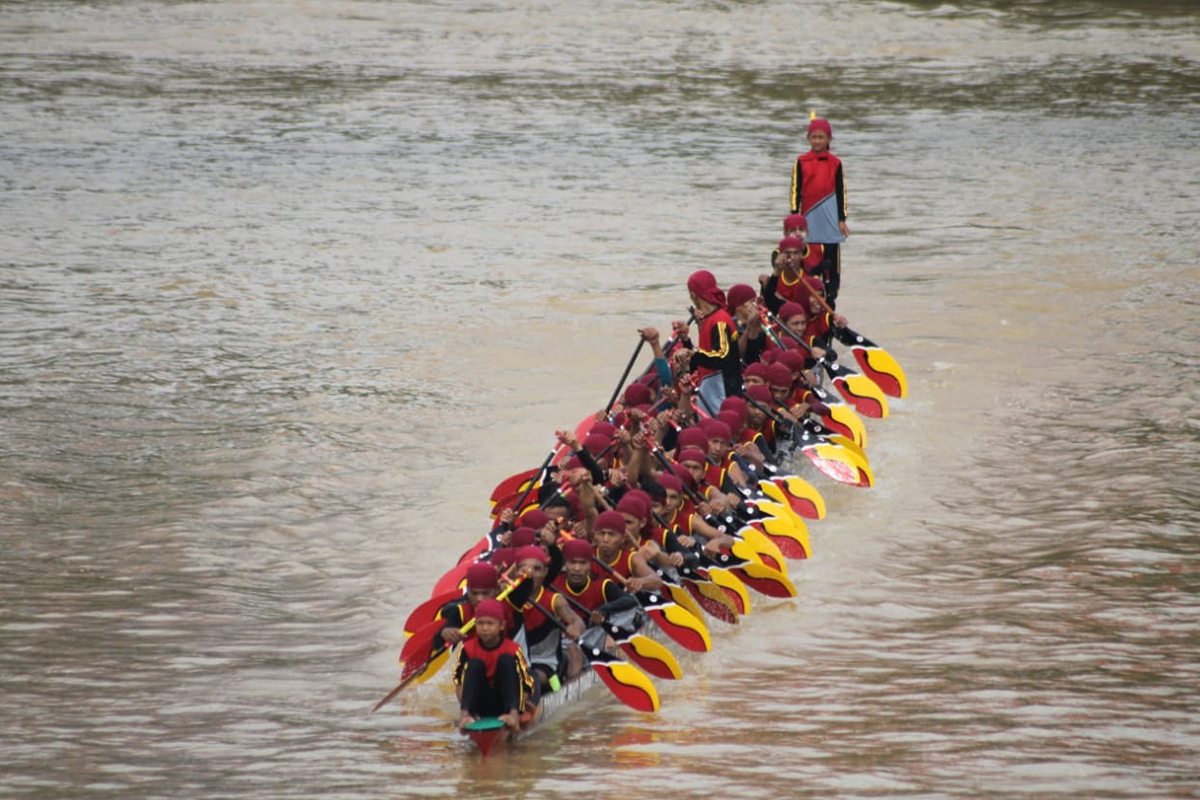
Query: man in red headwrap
x=819, y=193
x=715, y=360
x=542, y=615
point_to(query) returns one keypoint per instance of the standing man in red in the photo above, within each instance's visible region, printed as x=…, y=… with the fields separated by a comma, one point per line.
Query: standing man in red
x=716, y=360
x=819, y=193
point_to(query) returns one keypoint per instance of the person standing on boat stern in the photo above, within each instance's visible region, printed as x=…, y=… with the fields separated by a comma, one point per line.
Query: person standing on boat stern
x=716, y=360
x=491, y=678
x=819, y=193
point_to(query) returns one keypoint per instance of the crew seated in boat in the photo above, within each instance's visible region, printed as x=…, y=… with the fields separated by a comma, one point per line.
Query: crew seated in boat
x=596, y=598
x=807, y=318
x=491, y=677
x=549, y=656
x=792, y=267
x=618, y=557
x=686, y=520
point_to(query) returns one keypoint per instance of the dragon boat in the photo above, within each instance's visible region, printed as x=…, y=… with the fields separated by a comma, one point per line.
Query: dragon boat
x=769, y=529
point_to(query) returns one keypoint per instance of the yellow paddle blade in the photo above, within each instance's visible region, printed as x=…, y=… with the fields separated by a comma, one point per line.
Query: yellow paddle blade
x=733, y=587
x=435, y=664
x=647, y=648
x=840, y=464
x=681, y=596
x=880, y=361
x=629, y=684
x=791, y=528
x=862, y=386
x=714, y=592
x=762, y=578
x=682, y=618
x=802, y=492
x=754, y=546
x=847, y=416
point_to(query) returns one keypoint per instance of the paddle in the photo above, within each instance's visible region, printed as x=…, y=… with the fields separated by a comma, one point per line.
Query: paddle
x=844, y=463
x=684, y=628
x=621, y=383
x=858, y=390
x=627, y=683
x=649, y=654
x=875, y=362
x=427, y=611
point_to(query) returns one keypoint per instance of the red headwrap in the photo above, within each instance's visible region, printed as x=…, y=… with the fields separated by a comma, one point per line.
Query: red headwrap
x=595, y=444
x=821, y=125
x=692, y=437
x=760, y=394
x=638, y=394
x=790, y=309
x=671, y=482
x=611, y=521
x=492, y=609
x=755, y=370
x=704, y=285
x=736, y=421
x=792, y=359
x=523, y=537
x=533, y=518
x=794, y=221
x=716, y=429
x=577, y=549
x=790, y=243
x=532, y=553
x=482, y=575
x=692, y=454
x=814, y=285
x=779, y=375
x=739, y=293
x=734, y=402
x=502, y=558
x=603, y=428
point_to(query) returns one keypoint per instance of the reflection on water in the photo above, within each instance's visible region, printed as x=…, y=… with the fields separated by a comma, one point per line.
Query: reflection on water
x=289, y=289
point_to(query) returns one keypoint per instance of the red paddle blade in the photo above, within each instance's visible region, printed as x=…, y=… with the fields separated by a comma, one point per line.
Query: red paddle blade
x=683, y=628
x=452, y=580
x=419, y=647
x=765, y=580
x=652, y=657
x=878, y=365
x=426, y=613
x=719, y=607
x=787, y=545
x=628, y=684
x=860, y=392
x=514, y=484
x=834, y=462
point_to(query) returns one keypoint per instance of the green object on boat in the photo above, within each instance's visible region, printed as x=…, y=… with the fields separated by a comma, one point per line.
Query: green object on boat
x=485, y=724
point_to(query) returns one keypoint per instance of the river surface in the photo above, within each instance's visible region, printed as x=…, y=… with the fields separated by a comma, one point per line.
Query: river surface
x=288, y=287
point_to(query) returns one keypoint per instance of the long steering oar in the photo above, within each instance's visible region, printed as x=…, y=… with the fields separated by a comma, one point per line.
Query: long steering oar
x=627, y=683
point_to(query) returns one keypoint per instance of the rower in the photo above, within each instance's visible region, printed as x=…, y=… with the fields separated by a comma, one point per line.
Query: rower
x=548, y=658
x=612, y=549
x=491, y=678
x=601, y=597
x=483, y=583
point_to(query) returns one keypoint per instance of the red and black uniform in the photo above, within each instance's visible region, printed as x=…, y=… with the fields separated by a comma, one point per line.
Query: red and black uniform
x=622, y=565
x=716, y=351
x=543, y=639
x=493, y=680
x=819, y=193
x=597, y=594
